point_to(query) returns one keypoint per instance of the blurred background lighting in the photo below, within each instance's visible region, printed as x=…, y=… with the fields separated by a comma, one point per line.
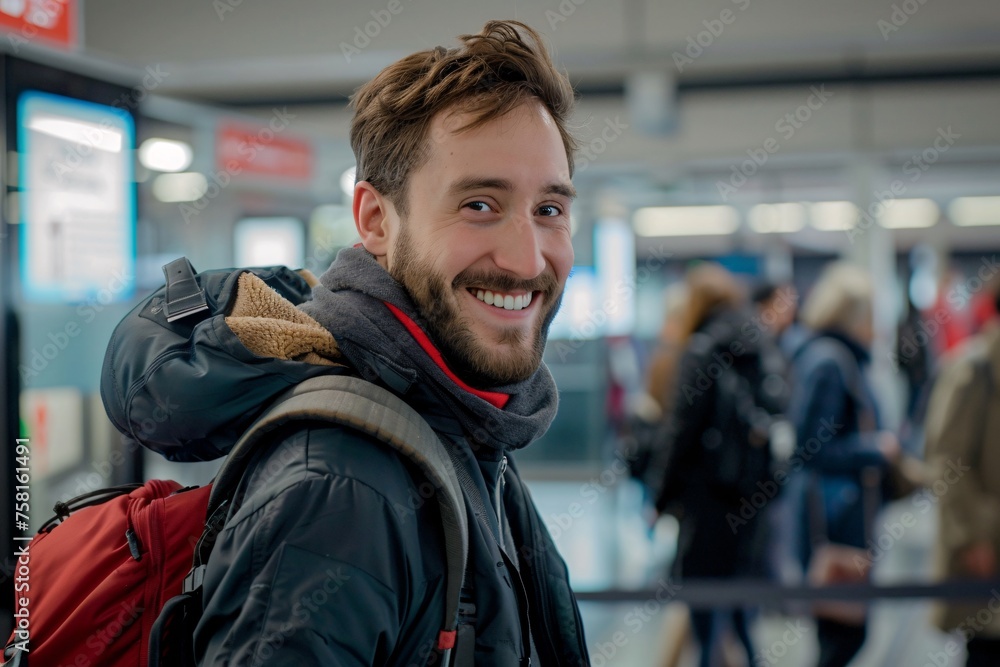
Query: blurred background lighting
x=685, y=220
x=909, y=214
x=775, y=218
x=165, y=155
x=186, y=186
x=975, y=211
x=88, y=134
x=347, y=180
x=833, y=216
x=269, y=241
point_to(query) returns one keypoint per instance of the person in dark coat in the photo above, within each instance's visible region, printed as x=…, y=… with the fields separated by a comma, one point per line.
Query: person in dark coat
x=336, y=556
x=728, y=386
x=842, y=452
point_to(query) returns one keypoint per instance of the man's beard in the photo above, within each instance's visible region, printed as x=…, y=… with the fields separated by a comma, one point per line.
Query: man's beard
x=478, y=362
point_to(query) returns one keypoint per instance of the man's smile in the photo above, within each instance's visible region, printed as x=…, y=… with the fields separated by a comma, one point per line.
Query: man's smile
x=505, y=300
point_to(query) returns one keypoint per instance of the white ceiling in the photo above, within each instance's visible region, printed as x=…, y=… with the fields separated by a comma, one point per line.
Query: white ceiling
x=940, y=68
x=293, y=49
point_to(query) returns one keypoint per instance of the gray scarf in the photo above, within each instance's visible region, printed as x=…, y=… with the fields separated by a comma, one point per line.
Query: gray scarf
x=367, y=312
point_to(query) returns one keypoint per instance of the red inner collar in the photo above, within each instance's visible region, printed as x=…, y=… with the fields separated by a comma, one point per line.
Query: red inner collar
x=493, y=397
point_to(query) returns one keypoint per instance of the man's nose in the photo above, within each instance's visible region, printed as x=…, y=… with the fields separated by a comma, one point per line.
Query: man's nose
x=519, y=248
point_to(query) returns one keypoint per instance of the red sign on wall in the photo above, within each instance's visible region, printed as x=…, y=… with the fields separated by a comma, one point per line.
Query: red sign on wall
x=48, y=21
x=263, y=150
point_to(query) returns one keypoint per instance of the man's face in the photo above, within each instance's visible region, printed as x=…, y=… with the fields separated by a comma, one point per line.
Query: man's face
x=485, y=248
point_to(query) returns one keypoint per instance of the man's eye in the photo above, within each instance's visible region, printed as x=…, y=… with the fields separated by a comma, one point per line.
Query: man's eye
x=548, y=211
x=479, y=206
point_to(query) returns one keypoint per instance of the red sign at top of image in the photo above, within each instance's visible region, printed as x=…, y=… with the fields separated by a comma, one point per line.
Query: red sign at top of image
x=260, y=150
x=47, y=20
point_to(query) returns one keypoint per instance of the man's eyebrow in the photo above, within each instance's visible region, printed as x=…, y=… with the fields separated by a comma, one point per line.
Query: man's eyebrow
x=476, y=182
x=564, y=189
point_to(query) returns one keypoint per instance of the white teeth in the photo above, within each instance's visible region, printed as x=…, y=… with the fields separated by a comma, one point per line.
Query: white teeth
x=507, y=302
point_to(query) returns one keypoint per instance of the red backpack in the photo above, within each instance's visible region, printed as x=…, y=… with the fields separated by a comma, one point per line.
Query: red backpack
x=112, y=581
x=99, y=578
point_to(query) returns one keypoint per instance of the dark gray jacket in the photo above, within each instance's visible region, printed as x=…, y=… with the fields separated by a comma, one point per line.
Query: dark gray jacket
x=336, y=556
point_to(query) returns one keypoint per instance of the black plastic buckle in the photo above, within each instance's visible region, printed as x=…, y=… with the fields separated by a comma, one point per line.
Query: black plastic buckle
x=184, y=296
x=194, y=579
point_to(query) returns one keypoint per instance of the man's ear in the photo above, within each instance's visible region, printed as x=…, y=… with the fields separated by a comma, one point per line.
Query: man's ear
x=373, y=216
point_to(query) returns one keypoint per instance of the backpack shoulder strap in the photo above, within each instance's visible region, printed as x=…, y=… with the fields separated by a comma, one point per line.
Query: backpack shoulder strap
x=370, y=409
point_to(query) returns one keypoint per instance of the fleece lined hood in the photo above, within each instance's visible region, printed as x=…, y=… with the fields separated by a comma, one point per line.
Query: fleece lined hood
x=188, y=389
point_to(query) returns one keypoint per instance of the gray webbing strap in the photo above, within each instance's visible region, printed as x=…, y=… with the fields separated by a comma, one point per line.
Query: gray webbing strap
x=368, y=408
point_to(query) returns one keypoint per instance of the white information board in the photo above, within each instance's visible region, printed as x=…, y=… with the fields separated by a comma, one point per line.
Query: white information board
x=77, y=200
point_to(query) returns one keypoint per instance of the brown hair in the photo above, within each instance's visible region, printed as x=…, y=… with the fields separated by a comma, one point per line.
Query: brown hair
x=489, y=75
x=710, y=286
x=706, y=287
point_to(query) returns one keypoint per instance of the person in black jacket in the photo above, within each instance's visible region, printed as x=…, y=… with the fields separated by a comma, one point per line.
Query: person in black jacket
x=336, y=557
x=716, y=441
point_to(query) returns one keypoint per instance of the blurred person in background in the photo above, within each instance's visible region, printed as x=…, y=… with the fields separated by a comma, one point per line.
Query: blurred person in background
x=963, y=448
x=777, y=308
x=838, y=435
x=776, y=305
x=715, y=447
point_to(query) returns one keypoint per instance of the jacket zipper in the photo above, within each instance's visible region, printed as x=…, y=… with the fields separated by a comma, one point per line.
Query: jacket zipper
x=517, y=582
x=498, y=502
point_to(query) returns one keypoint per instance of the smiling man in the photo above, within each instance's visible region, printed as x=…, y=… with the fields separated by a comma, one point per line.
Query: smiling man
x=463, y=206
x=484, y=248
